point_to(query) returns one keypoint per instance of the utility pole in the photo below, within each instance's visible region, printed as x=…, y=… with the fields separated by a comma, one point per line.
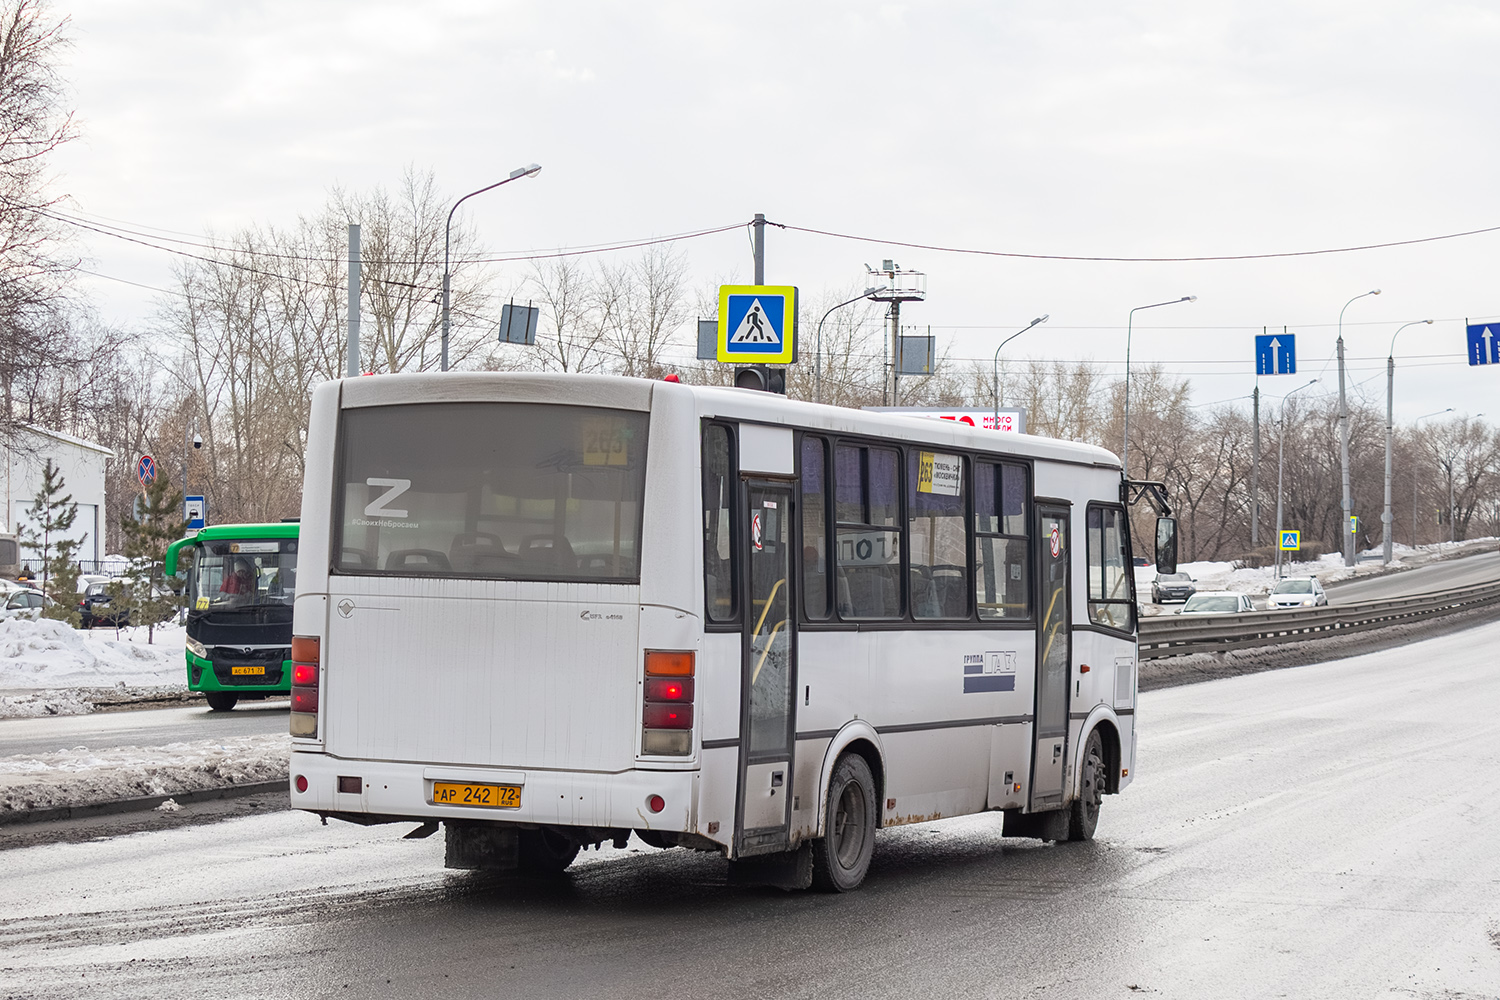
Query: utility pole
x=351, y=364
x=1348, y=504
x=1255, y=476
x=895, y=349
x=758, y=243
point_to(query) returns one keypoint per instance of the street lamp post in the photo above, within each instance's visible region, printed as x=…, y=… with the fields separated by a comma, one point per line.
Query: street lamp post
x=996, y=386
x=1280, y=464
x=1348, y=505
x=1414, y=423
x=818, y=353
x=516, y=174
x=1387, y=542
x=1129, y=329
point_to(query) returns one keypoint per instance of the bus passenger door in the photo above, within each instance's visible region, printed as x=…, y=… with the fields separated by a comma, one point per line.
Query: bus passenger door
x=768, y=672
x=1053, y=657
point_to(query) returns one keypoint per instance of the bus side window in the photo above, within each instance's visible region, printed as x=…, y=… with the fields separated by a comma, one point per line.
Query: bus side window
x=1002, y=581
x=1111, y=602
x=936, y=545
x=814, y=528
x=719, y=484
x=867, y=547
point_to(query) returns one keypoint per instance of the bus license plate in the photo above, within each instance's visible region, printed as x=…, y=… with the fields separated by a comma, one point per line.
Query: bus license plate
x=453, y=793
x=247, y=671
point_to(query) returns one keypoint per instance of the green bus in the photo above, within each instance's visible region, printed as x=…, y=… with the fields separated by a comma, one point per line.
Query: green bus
x=241, y=580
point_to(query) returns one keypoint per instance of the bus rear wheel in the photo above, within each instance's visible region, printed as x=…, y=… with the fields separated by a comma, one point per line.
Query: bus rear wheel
x=221, y=701
x=545, y=852
x=842, y=857
x=1091, y=780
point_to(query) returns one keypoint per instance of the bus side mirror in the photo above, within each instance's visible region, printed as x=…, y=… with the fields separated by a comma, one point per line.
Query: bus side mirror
x=1166, y=545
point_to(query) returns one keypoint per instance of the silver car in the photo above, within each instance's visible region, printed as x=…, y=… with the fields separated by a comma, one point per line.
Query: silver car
x=1297, y=592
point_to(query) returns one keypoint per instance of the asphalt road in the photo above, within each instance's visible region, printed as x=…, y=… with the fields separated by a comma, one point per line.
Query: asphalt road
x=1315, y=832
x=148, y=727
x=1482, y=568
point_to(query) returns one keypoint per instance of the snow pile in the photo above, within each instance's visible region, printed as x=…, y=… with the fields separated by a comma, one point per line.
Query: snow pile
x=51, y=654
x=81, y=776
x=35, y=704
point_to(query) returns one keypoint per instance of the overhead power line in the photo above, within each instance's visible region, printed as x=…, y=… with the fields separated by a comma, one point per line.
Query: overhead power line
x=1099, y=258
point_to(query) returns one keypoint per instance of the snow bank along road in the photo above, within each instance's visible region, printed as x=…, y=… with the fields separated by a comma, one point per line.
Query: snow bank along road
x=1323, y=832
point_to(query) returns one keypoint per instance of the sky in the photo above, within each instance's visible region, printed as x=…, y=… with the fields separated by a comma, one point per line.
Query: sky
x=1150, y=129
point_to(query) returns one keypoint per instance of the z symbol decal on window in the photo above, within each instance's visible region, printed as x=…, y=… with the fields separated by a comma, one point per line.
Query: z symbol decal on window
x=394, y=488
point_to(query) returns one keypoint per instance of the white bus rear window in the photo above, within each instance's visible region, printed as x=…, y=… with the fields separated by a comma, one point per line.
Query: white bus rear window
x=516, y=491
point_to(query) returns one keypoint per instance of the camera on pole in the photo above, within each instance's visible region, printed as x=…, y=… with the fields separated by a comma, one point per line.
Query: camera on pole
x=761, y=377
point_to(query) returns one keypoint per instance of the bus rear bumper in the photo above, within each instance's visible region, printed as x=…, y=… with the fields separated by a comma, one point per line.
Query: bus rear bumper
x=395, y=790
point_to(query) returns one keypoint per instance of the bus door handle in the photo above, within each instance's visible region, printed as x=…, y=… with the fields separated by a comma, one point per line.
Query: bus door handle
x=778, y=778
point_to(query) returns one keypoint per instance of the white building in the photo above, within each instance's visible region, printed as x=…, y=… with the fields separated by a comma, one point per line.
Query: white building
x=82, y=466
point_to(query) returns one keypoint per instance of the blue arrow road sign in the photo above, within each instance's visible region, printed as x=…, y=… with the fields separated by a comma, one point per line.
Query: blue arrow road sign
x=1276, y=354
x=1484, y=344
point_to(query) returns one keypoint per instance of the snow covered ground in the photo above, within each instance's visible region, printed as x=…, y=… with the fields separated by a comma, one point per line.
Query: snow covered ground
x=49, y=668
x=81, y=776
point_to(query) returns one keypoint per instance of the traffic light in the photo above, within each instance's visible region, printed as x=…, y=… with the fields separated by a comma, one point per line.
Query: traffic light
x=762, y=377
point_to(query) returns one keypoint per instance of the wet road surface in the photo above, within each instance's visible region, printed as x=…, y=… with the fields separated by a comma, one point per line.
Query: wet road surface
x=148, y=727
x=1482, y=568
x=1314, y=832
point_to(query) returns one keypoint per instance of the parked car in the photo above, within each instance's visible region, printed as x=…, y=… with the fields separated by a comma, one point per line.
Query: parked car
x=24, y=603
x=1172, y=587
x=94, y=609
x=1217, y=602
x=1298, y=592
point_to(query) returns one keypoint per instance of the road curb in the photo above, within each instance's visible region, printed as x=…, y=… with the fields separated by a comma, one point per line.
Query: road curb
x=142, y=804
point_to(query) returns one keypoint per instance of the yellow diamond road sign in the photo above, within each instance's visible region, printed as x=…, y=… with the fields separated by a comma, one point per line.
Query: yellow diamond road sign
x=1291, y=541
x=757, y=324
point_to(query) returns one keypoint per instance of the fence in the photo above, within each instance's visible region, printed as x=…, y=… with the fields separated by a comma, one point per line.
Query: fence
x=1179, y=635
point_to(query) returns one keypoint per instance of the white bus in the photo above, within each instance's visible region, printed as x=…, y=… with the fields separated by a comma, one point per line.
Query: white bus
x=547, y=611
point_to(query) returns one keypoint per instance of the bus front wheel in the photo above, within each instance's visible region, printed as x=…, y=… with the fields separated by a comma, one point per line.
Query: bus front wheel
x=1091, y=779
x=220, y=701
x=842, y=857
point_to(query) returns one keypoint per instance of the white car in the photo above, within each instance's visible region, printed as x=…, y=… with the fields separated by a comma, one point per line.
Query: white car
x=1297, y=592
x=1217, y=602
x=24, y=603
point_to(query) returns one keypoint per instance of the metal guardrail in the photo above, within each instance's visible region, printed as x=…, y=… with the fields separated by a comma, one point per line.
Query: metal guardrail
x=1179, y=635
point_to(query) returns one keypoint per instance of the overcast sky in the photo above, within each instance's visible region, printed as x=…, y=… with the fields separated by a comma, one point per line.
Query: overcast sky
x=1149, y=129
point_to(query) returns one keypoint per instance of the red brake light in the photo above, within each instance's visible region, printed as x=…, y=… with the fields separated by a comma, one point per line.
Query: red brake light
x=658, y=716
x=304, y=674
x=305, y=699
x=656, y=803
x=301, y=783
x=669, y=689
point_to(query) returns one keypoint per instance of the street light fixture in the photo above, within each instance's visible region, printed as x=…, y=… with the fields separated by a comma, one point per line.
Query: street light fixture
x=1414, y=423
x=1348, y=504
x=1387, y=543
x=818, y=356
x=996, y=385
x=516, y=174
x=1280, y=455
x=1129, y=329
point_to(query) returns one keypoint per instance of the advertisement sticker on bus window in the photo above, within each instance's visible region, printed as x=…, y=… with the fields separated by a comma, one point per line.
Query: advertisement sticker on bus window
x=939, y=474
x=604, y=442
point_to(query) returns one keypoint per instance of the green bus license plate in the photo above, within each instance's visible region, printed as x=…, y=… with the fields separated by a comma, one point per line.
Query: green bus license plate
x=454, y=793
x=247, y=671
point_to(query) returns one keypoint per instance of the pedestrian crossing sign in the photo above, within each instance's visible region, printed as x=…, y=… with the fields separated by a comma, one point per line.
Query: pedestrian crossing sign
x=757, y=323
x=1291, y=541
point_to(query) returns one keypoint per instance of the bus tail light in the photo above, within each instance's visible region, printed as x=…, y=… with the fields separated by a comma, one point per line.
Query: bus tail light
x=667, y=712
x=306, y=658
